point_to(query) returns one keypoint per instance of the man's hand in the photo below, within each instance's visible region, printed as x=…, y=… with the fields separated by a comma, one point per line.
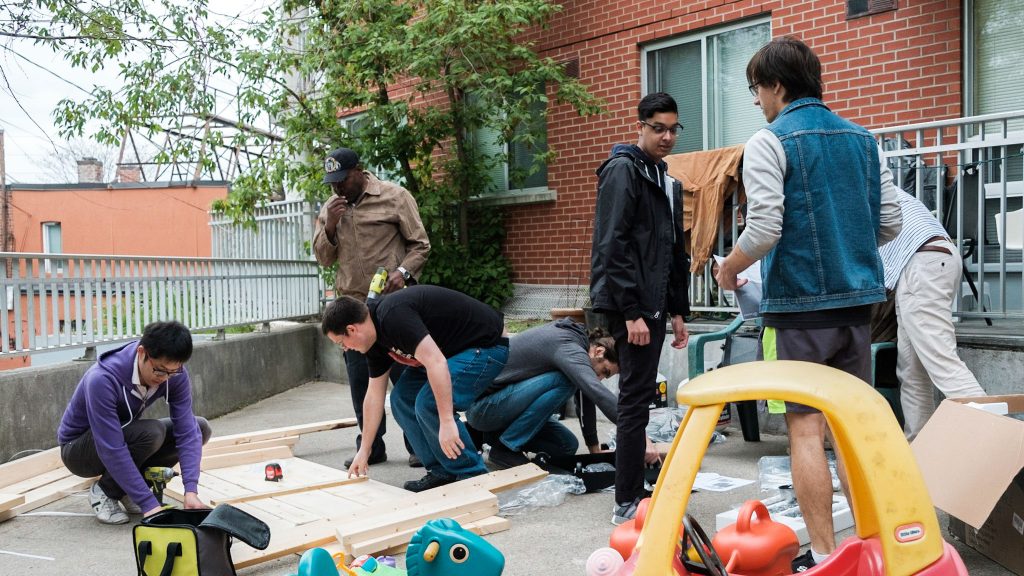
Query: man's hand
x=336, y=208
x=651, y=456
x=682, y=335
x=360, y=464
x=395, y=282
x=638, y=333
x=448, y=437
x=192, y=502
x=737, y=261
x=595, y=449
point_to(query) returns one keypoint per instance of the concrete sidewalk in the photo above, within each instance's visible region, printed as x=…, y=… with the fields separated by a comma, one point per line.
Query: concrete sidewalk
x=547, y=541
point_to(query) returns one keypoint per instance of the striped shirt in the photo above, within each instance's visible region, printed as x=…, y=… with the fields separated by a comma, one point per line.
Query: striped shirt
x=918, y=226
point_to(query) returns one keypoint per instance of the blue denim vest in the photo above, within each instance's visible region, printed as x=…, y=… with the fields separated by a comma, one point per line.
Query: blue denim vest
x=827, y=256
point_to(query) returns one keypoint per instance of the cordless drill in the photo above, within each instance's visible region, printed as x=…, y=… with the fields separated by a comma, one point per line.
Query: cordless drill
x=157, y=477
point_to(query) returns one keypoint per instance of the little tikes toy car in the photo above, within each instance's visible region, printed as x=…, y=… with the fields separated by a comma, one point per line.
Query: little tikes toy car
x=897, y=532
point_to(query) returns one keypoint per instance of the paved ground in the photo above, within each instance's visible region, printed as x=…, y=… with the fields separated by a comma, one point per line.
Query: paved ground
x=548, y=541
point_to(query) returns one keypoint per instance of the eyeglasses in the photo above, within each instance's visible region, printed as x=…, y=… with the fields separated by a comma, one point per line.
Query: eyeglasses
x=161, y=373
x=753, y=89
x=660, y=129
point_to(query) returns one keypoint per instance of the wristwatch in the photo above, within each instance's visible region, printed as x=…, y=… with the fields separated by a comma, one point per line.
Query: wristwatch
x=405, y=273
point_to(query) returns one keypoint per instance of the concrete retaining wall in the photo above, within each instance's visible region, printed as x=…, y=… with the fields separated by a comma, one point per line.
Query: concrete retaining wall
x=226, y=375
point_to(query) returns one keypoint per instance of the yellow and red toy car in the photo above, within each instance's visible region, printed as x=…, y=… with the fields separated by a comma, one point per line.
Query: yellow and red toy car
x=897, y=532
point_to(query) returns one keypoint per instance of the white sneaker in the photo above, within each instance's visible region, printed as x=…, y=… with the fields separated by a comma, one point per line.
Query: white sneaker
x=130, y=506
x=108, y=510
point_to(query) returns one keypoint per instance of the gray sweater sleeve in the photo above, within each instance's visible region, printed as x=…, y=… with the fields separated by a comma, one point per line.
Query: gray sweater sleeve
x=574, y=362
x=764, y=169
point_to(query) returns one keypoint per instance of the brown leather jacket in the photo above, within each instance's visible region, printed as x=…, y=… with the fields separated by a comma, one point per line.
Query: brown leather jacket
x=383, y=229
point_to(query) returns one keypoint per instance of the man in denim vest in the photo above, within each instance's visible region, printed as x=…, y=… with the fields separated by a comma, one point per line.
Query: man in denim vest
x=819, y=204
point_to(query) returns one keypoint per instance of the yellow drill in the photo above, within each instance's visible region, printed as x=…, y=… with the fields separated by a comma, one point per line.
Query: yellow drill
x=157, y=477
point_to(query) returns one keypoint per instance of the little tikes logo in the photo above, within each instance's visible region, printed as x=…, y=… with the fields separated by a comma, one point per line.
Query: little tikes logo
x=909, y=532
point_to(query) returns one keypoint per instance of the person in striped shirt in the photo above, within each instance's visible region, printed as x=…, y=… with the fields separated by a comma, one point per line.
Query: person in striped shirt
x=923, y=266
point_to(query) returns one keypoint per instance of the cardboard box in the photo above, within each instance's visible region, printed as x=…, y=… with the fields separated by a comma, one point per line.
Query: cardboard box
x=789, y=515
x=971, y=461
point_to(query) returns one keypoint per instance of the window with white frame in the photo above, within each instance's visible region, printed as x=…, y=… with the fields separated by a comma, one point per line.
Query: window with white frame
x=521, y=172
x=995, y=47
x=706, y=74
x=52, y=244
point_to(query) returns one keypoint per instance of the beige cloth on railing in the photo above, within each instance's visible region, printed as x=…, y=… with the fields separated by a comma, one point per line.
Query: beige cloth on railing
x=708, y=178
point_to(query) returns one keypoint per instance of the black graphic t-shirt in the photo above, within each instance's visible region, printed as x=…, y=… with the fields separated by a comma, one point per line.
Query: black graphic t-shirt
x=404, y=318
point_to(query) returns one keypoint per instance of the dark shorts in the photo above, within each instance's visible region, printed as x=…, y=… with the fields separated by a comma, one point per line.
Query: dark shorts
x=846, y=348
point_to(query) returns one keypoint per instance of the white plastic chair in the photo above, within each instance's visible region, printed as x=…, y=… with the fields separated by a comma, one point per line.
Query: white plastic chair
x=1014, y=239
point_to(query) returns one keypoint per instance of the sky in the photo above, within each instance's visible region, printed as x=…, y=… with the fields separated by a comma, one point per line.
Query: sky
x=37, y=79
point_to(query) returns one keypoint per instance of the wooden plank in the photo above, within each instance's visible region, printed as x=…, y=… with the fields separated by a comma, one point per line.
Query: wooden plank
x=247, y=457
x=381, y=524
x=402, y=530
x=270, y=433
x=325, y=505
x=288, y=441
x=47, y=494
x=273, y=507
x=503, y=480
x=8, y=501
x=286, y=491
x=483, y=527
x=37, y=481
x=29, y=467
x=297, y=472
x=283, y=543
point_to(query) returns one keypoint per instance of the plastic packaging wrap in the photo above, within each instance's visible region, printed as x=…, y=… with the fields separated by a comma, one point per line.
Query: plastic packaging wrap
x=550, y=491
x=663, y=426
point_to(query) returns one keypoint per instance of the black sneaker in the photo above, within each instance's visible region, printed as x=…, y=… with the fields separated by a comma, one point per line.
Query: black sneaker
x=429, y=481
x=415, y=462
x=504, y=457
x=624, y=512
x=803, y=562
x=378, y=458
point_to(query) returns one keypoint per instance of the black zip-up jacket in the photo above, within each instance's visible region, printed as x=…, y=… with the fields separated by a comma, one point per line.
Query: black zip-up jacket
x=639, y=264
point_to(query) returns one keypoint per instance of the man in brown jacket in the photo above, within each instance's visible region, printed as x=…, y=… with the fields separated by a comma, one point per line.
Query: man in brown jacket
x=368, y=223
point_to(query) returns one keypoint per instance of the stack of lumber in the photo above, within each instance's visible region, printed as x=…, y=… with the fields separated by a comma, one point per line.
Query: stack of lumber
x=35, y=481
x=315, y=505
x=40, y=479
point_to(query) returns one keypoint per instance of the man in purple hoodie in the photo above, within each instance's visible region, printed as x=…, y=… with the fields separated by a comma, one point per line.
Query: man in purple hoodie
x=103, y=433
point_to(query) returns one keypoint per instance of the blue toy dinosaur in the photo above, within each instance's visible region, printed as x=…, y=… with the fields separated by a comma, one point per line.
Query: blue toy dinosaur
x=444, y=548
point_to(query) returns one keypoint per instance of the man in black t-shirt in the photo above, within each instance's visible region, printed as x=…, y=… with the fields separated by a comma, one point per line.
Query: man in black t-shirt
x=453, y=347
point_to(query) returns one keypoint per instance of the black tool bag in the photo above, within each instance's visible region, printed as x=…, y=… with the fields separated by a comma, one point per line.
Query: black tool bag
x=195, y=542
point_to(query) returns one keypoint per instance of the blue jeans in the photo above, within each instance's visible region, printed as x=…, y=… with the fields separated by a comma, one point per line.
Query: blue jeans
x=521, y=412
x=415, y=408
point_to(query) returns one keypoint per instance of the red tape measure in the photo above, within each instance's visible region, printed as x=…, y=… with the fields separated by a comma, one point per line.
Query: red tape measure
x=273, y=472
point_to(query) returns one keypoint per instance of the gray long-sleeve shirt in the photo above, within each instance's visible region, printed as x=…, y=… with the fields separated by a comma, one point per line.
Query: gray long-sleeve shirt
x=764, y=169
x=561, y=345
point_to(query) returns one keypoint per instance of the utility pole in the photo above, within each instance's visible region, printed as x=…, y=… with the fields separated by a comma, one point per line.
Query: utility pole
x=5, y=216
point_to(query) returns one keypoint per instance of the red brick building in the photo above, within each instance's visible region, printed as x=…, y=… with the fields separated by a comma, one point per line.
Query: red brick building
x=909, y=61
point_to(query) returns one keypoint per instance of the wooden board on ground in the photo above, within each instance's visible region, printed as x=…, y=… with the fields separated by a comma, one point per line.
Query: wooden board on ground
x=8, y=501
x=29, y=467
x=46, y=494
x=352, y=503
x=244, y=457
x=288, y=441
x=298, y=430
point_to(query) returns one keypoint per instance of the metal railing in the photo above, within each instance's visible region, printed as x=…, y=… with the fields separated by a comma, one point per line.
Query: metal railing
x=280, y=231
x=77, y=300
x=970, y=172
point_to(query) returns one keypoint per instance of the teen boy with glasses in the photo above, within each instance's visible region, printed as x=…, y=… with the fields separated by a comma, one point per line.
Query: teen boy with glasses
x=102, y=432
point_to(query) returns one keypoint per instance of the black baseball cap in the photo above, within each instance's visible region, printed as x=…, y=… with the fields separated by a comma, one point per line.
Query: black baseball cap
x=338, y=163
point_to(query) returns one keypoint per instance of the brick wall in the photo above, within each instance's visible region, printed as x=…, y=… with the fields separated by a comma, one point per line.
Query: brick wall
x=893, y=68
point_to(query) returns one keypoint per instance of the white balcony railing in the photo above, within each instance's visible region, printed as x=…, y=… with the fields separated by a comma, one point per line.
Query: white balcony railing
x=74, y=300
x=970, y=172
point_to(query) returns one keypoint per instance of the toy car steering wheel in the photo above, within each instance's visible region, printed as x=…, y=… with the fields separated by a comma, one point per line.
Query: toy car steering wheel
x=696, y=535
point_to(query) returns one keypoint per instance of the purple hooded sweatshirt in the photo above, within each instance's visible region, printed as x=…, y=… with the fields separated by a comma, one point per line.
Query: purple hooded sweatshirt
x=103, y=402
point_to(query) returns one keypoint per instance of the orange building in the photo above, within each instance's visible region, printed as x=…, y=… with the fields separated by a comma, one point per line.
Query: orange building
x=130, y=218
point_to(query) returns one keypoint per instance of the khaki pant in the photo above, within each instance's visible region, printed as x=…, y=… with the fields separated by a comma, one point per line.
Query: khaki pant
x=926, y=342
